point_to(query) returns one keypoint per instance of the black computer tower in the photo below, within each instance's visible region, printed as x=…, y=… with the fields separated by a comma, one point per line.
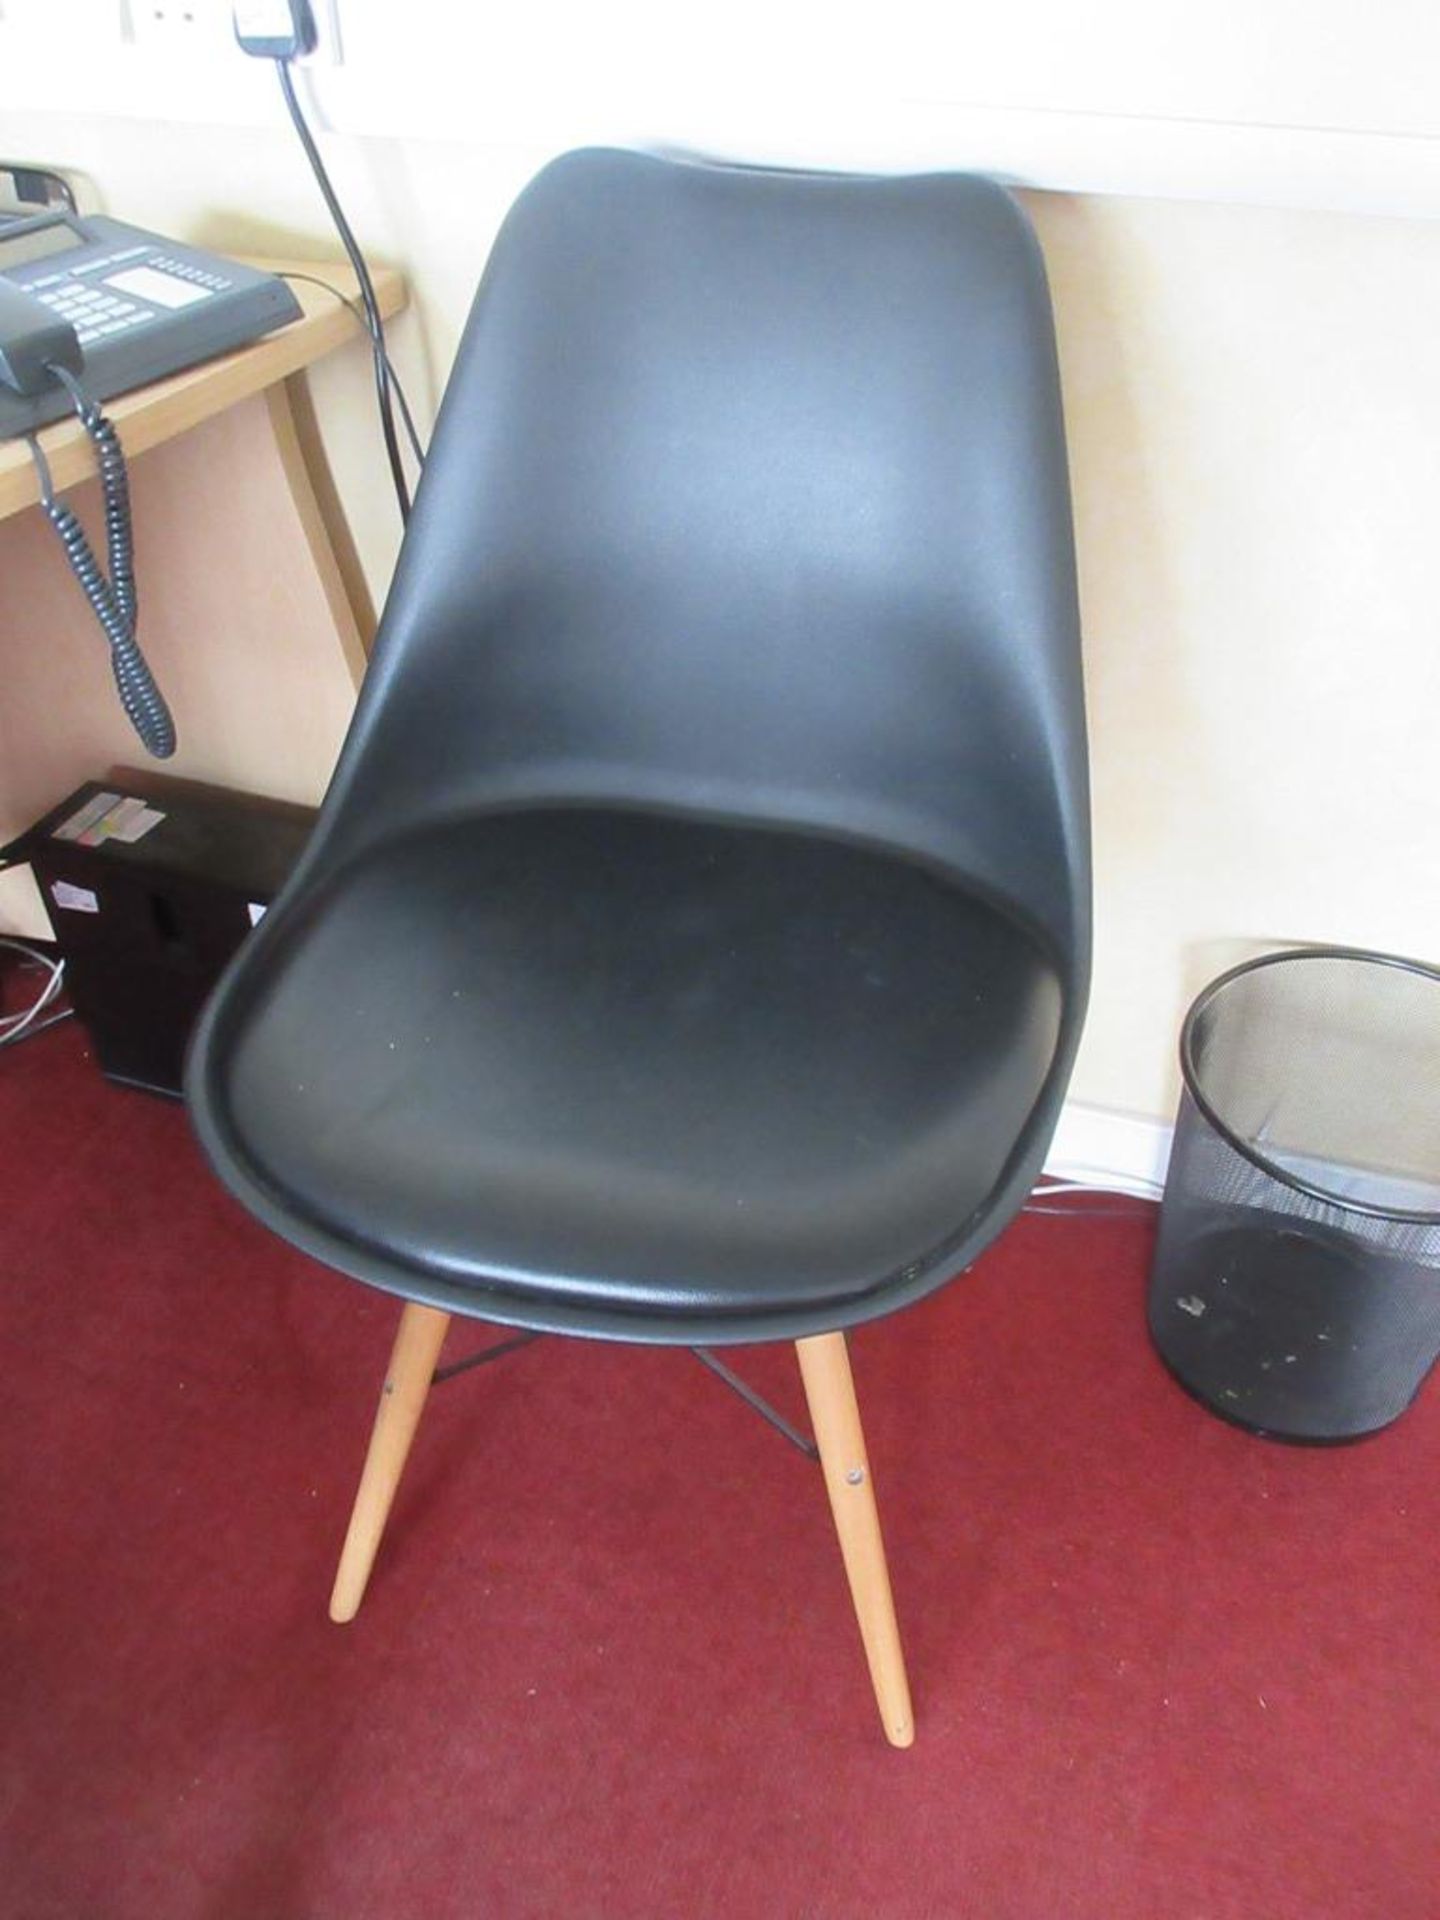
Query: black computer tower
x=151, y=885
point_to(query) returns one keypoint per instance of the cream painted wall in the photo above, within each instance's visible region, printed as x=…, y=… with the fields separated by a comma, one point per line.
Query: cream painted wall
x=1253, y=395
x=1253, y=399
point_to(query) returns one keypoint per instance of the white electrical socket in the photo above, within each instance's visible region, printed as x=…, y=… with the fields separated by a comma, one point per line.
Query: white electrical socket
x=184, y=27
x=204, y=29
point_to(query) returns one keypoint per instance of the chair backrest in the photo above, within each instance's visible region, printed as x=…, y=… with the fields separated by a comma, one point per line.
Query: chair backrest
x=748, y=497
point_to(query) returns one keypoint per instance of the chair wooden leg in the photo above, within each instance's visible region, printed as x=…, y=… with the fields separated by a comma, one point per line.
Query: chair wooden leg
x=412, y=1362
x=825, y=1369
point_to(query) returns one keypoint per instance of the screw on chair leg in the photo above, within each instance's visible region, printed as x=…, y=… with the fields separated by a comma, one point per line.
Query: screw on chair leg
x=412, y=1363
x=830, y=1390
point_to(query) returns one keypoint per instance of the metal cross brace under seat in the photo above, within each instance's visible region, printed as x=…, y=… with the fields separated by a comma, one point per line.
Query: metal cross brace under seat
x=703, y=1354
x=758, y=1402
x=500, y=1348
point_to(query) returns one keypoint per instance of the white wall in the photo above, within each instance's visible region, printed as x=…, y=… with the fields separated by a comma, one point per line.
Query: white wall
x=1251, y=364
x=1300, y=102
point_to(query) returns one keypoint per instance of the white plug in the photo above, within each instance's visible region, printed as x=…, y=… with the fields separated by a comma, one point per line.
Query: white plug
x=275, y=29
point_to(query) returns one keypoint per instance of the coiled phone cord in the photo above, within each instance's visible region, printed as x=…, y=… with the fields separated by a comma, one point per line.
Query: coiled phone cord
x=113, y=598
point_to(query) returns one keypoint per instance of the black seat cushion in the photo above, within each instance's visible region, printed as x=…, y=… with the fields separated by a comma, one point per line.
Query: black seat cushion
x=613, y=1056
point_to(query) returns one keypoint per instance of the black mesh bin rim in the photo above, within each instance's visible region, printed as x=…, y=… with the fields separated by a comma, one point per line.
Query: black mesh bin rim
x=1286, y=1176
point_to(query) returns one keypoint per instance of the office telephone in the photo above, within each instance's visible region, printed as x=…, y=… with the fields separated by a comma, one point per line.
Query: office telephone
x=140, y=306
x=90, y=308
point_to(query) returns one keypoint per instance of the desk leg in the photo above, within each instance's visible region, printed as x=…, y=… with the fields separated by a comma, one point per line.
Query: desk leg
x=317, y=507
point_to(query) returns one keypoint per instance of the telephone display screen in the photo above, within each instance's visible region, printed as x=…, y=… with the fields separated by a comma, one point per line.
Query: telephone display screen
x=161, y=289
x=38, y=244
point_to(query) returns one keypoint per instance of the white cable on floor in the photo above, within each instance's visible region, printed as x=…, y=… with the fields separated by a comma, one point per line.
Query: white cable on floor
x=17, y=1026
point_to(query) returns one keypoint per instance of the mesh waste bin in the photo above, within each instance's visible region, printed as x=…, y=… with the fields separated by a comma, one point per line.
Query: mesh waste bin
x=1296, y=1283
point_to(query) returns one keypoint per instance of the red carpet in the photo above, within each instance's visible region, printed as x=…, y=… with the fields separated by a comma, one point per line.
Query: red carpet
x=607, y=1665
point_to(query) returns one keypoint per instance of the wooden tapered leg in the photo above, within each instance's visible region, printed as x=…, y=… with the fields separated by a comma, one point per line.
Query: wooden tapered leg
x=412, y=1362
x=825, y=1369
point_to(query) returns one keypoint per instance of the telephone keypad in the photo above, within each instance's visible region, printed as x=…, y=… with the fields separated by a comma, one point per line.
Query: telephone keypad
x=96, y=312
x=91, y=312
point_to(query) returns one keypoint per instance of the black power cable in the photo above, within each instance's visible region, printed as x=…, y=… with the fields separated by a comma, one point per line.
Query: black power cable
x=367, y=291
x=407, y=417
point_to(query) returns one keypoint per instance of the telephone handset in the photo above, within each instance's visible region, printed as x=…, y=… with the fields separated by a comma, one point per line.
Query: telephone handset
x=90, y=308
x=32, y=341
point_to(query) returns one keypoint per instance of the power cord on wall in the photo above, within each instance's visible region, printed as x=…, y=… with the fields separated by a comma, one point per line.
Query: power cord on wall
x=374, y=324
x=283, y=30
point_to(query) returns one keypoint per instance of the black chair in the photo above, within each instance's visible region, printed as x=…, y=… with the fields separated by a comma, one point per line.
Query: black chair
x=693, y=945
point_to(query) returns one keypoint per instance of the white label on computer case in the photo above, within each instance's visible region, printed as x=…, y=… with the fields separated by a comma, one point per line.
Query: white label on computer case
x=131, y=821
x=86, y=816
x=109, y=816
x=73, y=899
x=256, y=911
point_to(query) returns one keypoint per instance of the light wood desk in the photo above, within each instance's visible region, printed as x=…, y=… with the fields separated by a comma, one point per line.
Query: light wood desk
x=253, y=612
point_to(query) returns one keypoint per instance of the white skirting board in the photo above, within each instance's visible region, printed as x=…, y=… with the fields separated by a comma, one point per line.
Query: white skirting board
x=1098, y=1147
